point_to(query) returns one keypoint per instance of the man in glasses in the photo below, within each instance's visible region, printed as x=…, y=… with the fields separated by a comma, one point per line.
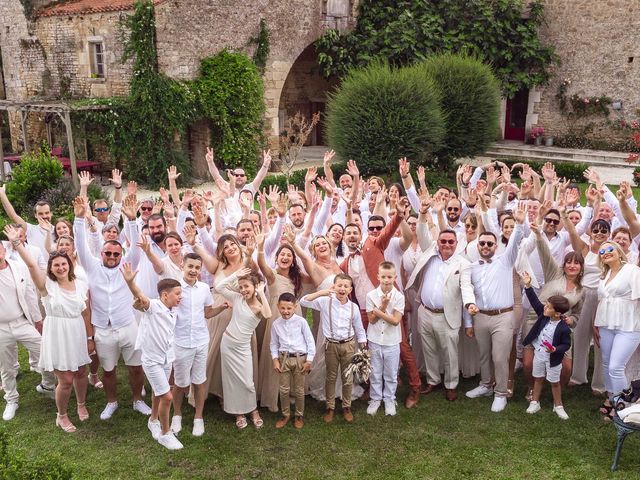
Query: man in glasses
x=239, y=175
x=102, y=213
x=441, y=282
x=453, y=211
x=35, y=233
x=492, y=279
x=112, y=317
x=362, y=265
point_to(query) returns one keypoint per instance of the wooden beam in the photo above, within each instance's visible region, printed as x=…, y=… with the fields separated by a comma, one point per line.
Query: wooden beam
x=66, y=118
x=23, y=123
x=2, y=175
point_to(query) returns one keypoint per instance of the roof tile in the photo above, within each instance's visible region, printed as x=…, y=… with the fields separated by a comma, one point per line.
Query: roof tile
x=79, y=7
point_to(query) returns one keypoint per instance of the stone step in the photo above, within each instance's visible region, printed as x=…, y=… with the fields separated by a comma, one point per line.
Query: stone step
x=541, y=157
x=580, y=155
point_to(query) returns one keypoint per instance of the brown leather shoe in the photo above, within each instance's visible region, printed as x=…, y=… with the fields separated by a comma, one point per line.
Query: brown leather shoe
x=298, y=423
x=347, y=415
x=412, y=399
x=430, y=388
x=451, y=394
x=328, y=415
x=282, y=422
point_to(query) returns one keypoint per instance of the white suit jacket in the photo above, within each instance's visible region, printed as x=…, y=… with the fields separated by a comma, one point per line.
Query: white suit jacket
x=27, y=296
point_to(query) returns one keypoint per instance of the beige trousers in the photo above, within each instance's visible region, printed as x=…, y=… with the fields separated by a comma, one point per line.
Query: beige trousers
x=338, y=355
x=495, y=338
x=439, y=343
x=582, y=335
x=291, y=374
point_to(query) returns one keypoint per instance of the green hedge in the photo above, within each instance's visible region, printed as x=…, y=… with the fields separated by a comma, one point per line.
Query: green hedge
x=571, y=171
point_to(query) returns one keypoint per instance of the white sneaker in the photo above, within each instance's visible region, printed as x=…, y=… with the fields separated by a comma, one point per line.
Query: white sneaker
x=109, y=410
x=559, y=410
x=499, y=404
x=47, y=392
x=480, y=391
x=390, y=408
x=169, y=441
x=140, y=406
x=155, y=428
x=176, y=424
x=144, y=392
x=9, y=411
x=373, y=407
x=534, y=407
x=198, y=427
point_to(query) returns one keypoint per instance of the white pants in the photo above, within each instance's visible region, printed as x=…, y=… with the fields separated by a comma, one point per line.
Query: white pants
x=158, y=375
x=385, y=361
x=12, y=333
x=617, y=348
x=190, y=365
x=440, y=347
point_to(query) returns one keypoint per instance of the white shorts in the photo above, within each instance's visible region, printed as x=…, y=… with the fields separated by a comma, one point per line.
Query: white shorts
x=158, y=375
x=111, y=343
x=542, y=368
x=190, y=365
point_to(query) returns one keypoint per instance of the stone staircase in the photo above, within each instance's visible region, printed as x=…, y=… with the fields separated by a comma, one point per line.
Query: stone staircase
x=611, y=165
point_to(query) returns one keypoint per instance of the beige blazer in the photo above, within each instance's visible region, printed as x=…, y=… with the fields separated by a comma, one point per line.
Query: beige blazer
x=27, y=296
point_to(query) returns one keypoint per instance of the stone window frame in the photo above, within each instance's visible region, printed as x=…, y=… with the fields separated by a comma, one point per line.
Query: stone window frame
x=94, y=66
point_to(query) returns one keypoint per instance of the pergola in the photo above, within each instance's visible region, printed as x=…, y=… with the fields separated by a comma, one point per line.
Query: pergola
x=60, y=108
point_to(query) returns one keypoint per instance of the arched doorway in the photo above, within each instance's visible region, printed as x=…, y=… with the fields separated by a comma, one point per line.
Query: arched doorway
x=305, y=91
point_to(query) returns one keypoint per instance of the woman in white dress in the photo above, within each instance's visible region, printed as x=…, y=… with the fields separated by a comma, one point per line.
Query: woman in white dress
x=617, y=322
x=67, y=333
x=250, y=305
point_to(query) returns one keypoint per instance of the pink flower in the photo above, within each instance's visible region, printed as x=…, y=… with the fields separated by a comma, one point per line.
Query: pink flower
x=586, y=100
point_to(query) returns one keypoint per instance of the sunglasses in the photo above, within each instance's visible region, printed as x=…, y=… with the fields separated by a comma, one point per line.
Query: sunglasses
x=486, y=243
x=599, y=230
x=375, y=228
x=101, y=209
x=146, y=209
x=453, y=209
x=112, y=254
x=609, y=249
x=447, y=242
x=551, y=220
x=470, y=227
x=239, y=174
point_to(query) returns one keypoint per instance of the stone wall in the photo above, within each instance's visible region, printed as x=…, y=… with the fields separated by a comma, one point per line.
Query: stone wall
x=599, y=47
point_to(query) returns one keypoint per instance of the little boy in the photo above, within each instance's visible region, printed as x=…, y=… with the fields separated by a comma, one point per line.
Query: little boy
x=292, y=350
x=385, y=307
x=551, y=338
x=155, y=340
x=339, y=318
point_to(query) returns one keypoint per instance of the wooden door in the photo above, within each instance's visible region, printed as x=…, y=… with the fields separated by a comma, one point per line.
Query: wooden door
x=516, y=116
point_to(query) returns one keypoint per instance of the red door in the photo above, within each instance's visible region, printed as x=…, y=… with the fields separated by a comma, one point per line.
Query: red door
x=516, y=116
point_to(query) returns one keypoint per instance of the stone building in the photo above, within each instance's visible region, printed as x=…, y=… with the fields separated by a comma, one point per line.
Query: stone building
x=71, y=49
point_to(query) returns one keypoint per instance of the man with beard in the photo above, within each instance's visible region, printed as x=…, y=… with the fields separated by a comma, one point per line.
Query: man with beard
x=147, y=278
x=492, y=279
x=453, y=212
x=115, y=327
x=35, y=233
x=362, y=266
x=238, y=174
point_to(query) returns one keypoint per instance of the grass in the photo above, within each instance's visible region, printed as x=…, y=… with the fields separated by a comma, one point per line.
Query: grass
x=437, y=439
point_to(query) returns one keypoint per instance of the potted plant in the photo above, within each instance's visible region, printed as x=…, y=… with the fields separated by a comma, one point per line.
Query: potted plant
x=536, y=135
x=548, y=141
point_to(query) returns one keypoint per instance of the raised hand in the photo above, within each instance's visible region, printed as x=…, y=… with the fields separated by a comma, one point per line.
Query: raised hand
x=164, y=195
x=85, y=179
x=506, y=174
x=625, y=188
x=326, y=186
x=352, y=169
x=266, y=159
x=492, y=175
x=289, y=235
x=404, y=166
x=535, y=228
x=403, y=208
x=172, y=173
x=520, y=212
x=209, y=156
x=157, y=207
x=144, y=243
x=422, y=174
x=243, y=272
x=130, y=206
x=526, y=188
x=382, y=195
x=311, y=175
x=79, y=207
x=250, y=246
x=526, y=279
x=593, y=195
x=548, y=172
x=189, y=232
x=199, y=216
x=128, y=272
x=116, y=178
x=273, y=194
x=12, y=233
x=187, y=197
x=328, y=155
x=132, y=188
x=260, y=238
x=591, y=175
x=281, y=205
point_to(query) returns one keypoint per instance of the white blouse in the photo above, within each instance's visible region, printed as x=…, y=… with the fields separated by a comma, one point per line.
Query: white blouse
x=618, y=300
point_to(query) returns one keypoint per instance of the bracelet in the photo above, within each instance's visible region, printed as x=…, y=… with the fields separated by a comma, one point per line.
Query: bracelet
x=404, y=176
x=90, y=338
x=261, y=251
x=16, y=242
x=118, y=188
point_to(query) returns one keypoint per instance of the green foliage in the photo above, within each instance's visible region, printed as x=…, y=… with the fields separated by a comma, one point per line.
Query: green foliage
x=470, y=102
x=229, y=92
x=145, y=130
x=296, y=179
x=262, y=46
x=381, y=113
x=636, y=176
x=14, y=465
x=36, y=172
x=588, y=136
x=405, y=31
x=570, y=171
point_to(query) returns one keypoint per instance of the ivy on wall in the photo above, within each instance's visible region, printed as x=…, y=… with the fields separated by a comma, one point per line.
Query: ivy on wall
x=146, y=129
x=502, y=33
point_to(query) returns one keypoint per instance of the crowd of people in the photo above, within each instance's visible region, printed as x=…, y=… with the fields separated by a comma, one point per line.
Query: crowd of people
x=205, y=294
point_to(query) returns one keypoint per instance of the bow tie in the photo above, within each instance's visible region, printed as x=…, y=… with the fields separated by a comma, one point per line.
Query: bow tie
x=482, y=262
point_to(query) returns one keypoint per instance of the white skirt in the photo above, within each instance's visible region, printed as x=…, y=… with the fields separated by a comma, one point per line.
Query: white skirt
x=239, y=391
x=64, y=344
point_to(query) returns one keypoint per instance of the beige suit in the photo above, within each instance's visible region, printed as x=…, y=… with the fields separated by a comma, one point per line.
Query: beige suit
x=439, y=331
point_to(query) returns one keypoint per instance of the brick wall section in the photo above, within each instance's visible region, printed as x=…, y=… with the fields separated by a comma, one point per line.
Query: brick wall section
x=594, y=40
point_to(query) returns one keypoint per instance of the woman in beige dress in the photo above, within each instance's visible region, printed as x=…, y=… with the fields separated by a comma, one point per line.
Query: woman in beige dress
x=250, y=305
x=285, y=278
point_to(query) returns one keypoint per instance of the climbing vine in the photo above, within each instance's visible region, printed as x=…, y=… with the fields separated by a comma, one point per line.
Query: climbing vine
x=502, y=33
x=146, y=129
x=262, y=46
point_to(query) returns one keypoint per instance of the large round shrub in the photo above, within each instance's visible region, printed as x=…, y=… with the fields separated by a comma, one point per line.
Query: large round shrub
x=470, y=102
x=380, y=114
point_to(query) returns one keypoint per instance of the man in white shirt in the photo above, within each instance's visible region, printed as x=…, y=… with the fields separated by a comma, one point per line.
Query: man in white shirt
x=115, y=327
x=442, y=283
x=35, y=233
x=20, y=322
x=191, y=343
x=492, y=279
x=239, y=175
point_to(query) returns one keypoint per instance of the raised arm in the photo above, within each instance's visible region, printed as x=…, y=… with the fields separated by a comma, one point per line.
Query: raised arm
x=213, y=169
x=172, y=175
x=627, y=213
x=87, y=260
x=38, y=276
x=550, y=268
x=266, y=270
x=210, y=262
x=531, y=294
x=141, y=302
x=264, y=169
x=265, y=309
x=226, y=287
x=317, y=276
x=85, y=180
x=328, y=173
x=405, y=230
x=145, y=246
x=8, y=208
x=576, y=242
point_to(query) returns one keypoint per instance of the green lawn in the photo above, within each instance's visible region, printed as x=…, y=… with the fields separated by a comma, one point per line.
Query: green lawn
x=436, y=440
